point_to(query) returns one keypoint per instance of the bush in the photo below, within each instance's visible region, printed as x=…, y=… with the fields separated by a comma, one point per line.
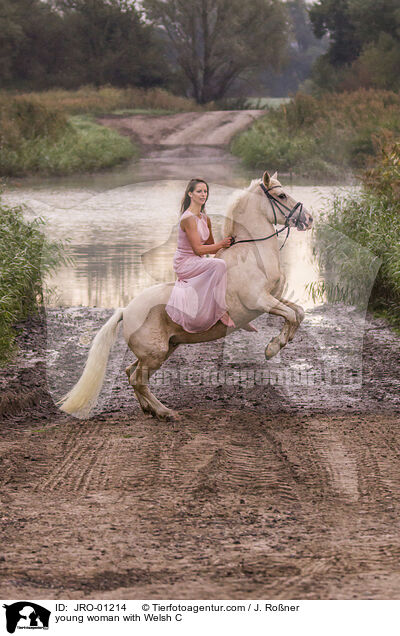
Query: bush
x=34, y=138
x=26, y=119
x=26, y=257
x=281, y=152
x=324, y=134
x=383, y=177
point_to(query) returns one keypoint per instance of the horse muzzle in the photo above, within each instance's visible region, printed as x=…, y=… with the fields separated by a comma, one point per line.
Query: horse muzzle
x=303, y=221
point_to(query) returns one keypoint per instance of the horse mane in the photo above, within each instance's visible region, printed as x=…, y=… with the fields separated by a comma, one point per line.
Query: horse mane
x=235, y=203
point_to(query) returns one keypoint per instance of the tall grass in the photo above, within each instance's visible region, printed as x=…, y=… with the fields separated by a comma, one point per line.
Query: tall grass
x=371, y=219
x=36, y=138
x=26, y=257
x=321, y=136
x=107, y=99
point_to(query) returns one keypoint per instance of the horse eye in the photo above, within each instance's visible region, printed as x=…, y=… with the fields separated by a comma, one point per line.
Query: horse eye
x=282, y=196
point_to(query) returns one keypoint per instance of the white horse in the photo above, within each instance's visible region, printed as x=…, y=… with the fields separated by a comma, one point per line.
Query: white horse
x=255, y=286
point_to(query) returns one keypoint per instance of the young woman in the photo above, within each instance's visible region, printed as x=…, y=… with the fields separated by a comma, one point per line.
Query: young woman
x=197, y=300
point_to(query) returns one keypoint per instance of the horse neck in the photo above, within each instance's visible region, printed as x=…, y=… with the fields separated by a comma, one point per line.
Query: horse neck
x=249, y=222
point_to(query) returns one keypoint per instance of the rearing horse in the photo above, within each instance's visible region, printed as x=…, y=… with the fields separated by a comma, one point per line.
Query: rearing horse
x=255, y=286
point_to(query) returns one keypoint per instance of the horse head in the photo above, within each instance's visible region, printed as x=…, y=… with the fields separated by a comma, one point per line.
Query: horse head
x=264, y=199
x=286, y=211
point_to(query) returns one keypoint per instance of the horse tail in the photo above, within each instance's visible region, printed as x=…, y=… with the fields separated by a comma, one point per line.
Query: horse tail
x=83, y=396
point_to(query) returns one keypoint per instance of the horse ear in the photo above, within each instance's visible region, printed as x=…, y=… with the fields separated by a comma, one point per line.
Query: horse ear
x=275, y=176
x=266, y=179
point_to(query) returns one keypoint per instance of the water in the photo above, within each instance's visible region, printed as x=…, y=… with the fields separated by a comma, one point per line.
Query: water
x=122, y=225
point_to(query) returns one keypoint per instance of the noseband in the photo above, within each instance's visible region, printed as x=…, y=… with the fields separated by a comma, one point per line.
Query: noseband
x=276, y=205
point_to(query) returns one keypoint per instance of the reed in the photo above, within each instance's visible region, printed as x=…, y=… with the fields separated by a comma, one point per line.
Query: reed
x=26, y=258
x=371, y=220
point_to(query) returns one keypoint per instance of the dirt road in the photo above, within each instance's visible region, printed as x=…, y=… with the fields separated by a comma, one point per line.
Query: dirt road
x=214, y=128
x=278, y=489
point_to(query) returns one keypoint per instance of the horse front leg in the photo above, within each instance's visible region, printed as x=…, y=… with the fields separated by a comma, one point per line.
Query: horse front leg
x=271, y=305
x=299, y=315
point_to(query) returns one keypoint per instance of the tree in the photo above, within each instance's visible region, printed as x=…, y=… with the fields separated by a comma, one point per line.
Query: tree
x=11, y=34
x=73, y=42
x=334, y=17
x=215, y=42
x=30, y=40
x=303, y=49
x=112, y=43
x=364, y=45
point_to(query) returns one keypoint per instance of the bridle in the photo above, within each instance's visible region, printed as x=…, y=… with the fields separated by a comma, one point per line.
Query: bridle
x=276, y=205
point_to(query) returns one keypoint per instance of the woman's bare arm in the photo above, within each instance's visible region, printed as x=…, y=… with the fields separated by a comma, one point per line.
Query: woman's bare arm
x=210, y=239
x=189, y=225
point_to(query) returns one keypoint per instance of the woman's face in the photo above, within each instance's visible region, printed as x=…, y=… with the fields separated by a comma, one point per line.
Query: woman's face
x=199, y=194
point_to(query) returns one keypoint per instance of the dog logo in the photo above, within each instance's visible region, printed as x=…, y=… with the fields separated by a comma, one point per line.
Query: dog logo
x=26, y=615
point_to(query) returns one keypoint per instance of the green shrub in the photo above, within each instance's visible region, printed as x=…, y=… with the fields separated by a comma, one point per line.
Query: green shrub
x=31, y=118
x=328, y=134
x=79, y=145
x=23, y=120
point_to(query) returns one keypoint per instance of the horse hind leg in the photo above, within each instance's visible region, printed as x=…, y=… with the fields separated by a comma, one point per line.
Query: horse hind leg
x=143, y=369
x=129, y=370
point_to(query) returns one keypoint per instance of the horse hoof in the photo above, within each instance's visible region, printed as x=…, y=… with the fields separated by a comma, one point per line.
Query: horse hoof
x=271, y=350
x=170, y=416
x=167, y=416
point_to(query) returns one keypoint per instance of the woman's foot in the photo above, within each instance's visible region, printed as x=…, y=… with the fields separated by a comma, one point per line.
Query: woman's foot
x=227, y=320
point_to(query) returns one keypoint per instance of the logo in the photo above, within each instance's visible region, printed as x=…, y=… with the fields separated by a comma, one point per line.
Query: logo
x=26, y=615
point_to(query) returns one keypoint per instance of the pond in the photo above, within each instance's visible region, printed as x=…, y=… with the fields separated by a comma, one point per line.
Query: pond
x=113, y=219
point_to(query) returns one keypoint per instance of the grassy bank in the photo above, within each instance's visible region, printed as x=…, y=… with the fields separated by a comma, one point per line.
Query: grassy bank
x=35, y=138
x=323, y=136
x=26, y=257
x=54, y=132
x=371, y=221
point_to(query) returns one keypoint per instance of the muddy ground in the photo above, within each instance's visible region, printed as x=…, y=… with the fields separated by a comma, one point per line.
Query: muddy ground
x=257, y=491
x=279, y=480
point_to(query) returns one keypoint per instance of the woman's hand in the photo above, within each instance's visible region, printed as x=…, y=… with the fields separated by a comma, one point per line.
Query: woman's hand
x=226, y=242
x=189, y=225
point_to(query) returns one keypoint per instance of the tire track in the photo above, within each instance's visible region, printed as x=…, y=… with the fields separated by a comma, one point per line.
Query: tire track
x=102, y=473
x=378, y=477
x=70, y=473
x=339, y=464
x=214, y=464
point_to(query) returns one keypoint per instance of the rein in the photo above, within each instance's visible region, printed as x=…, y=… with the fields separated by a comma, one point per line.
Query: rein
x=275, y=204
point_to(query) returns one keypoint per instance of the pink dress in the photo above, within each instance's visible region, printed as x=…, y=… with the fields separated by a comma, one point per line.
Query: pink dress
x=197, y=300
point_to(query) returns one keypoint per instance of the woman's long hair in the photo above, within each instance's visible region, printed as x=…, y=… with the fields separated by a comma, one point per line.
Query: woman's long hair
x=190, y=188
